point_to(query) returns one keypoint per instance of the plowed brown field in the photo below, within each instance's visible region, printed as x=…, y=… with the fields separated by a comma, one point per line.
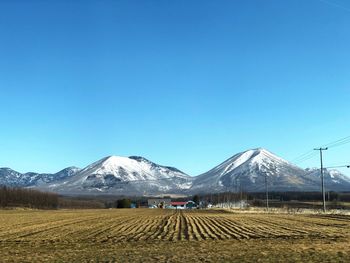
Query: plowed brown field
x=146, y=235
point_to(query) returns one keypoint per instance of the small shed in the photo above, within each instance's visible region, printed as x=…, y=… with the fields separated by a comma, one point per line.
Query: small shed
x=191, y=205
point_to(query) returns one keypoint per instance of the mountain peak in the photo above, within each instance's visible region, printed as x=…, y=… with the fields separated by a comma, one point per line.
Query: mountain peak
x=261, y=150
x=6, y=168
x=139, y=159
x=257, y=155
x=122, y=159
x=250, y=168
x=70, y=168
x=125, y=175
x=111, y=163
x=111, y=158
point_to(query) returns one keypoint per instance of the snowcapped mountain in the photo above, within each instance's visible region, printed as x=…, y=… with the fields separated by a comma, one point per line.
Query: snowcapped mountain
x=136, y=175
x=10, y=177
x=334, y=180
x=124, y=175
x=248, y=170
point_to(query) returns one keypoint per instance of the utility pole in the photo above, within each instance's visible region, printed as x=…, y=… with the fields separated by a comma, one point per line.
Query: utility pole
x=236, y=192
x=322, y=177
x=241, y=195
x=267, y=193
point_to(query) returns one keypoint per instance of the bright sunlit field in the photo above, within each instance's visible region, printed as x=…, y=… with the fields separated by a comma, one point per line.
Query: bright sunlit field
x=148, y=235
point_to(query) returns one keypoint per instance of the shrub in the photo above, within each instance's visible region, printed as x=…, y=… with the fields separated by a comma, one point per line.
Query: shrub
x=123, y=203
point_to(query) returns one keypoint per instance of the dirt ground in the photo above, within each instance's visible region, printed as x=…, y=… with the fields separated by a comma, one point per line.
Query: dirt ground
x=154, y=235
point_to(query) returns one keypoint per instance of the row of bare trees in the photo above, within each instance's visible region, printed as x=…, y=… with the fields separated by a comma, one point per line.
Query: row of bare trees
x=20, y=197
x=72, y=203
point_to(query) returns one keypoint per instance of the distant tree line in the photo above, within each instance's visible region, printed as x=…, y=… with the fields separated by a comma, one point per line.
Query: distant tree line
x=24, y=197
x=20, y=197
x=75, y=203
x=217, y=198
x=302, y=196
x=123, y=203
x=120, y=203
x=126, y=203
x=29, y=198
x=223, y=197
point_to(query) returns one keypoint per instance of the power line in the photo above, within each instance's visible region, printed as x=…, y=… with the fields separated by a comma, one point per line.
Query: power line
x=310, y=154
x=339, y=142
x=338, y=166
x=302, y=156
x=305, y=158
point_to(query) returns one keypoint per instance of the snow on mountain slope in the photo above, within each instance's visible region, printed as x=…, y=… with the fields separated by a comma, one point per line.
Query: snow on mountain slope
x=130, y=169
x=125, y=175
x=336, y=175
x=248, y=170
x=10, y=177
x=334, y=179
x=136, y=175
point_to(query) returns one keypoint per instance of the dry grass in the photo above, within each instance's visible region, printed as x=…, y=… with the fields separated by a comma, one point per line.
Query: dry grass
x=148, y=235
x=288, y=210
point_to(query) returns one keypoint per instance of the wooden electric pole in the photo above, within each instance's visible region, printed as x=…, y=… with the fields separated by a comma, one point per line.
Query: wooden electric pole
x=267, y=193
x=322, y=177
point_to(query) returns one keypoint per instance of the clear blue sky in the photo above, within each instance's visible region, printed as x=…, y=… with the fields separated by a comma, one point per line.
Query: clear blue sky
x=183, y=83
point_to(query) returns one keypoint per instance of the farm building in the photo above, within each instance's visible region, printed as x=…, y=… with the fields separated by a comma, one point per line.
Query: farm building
x=179, y=205
x=167, y=203
x=191, y=205
x=184, y=205
x=159, y=202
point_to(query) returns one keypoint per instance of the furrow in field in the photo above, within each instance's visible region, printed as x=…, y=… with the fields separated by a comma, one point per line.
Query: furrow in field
x=41, y=228
x=206, y=229
x=198, y=229
x=219, y=229
x=102, y=231
x=30, y=221
x=171, y=231
x=185, y=228
x=290, y=224
x=124, y=233
x=233, y=231
x=167, y=228
x=157, y=233
x=176, y=227
x=149, y=229
x=243, y=229
x=310, y=222
x=345, y=218
x=193, y=231
x=256, y=228
x=142, y=230
x=279, y=229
